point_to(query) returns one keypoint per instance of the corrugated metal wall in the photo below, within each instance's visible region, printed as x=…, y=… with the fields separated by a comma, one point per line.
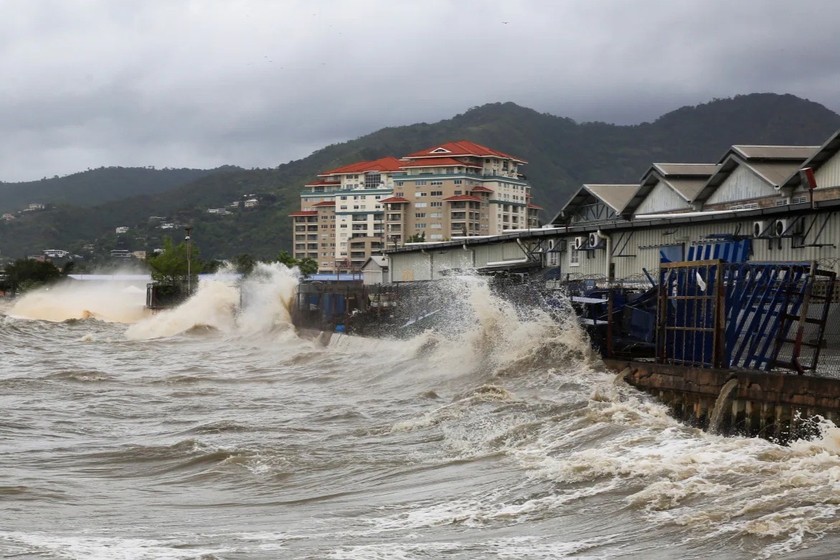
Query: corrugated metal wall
x=642, y=250
x=661, y=199
x=829, y=174
x=432, y=263
x=742, y=184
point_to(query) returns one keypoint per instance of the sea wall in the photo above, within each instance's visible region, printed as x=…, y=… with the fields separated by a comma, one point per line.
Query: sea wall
x=778, y=406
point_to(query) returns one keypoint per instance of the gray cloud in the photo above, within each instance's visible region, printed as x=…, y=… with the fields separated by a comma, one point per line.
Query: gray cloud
x=199, y=84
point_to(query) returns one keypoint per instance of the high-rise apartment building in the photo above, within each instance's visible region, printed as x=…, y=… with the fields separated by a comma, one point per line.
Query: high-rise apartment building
x=451, y=190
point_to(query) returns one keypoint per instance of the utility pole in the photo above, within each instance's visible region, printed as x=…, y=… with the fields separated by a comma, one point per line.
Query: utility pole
x=188, y=239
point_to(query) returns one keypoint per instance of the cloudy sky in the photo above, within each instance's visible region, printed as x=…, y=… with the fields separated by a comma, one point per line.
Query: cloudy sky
x=202, y=83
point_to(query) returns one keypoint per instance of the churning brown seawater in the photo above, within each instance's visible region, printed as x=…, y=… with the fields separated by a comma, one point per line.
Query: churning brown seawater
x=209, y=432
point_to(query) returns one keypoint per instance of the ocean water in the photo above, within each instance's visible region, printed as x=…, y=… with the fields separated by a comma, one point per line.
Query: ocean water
x=213, y=432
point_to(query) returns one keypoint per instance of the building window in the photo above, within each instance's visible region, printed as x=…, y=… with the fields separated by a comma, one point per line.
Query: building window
x=372, y=180
x=574, y=257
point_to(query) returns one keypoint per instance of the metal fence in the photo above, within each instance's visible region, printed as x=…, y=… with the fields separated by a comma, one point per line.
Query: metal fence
x=760, y=316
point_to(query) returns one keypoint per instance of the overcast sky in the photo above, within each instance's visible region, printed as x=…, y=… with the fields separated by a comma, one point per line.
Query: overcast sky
x=90, y=83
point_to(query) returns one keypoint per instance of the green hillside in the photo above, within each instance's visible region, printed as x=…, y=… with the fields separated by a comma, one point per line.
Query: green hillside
x=96, y=186
x=562, y=154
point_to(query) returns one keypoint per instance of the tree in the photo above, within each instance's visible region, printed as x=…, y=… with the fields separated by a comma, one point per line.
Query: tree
x=244, y=264
x=170, y=265
x=285, y=258
x=24, y=274
x=306, y=265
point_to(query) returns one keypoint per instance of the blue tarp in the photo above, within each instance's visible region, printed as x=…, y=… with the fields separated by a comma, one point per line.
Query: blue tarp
x=730, y=251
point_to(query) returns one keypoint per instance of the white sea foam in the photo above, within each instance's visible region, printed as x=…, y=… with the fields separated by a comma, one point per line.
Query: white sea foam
x=116, y=302
x=213, y=305
x=266, y=296
x=94, y=547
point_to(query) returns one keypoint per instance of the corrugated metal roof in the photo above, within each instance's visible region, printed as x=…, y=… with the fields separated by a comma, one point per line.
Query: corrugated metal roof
x=774, y=152
x=825, y=153
x=774, y=170
x=776, y=173
x=686, y=179
x=704, y=169
x=616, y=196
x=687, y=188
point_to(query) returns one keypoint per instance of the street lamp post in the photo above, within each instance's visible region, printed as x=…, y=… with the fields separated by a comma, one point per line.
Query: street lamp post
x=188, y=239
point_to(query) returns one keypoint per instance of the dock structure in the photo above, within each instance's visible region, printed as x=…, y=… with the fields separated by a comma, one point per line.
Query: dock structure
x=773, y=405
x=733, y=348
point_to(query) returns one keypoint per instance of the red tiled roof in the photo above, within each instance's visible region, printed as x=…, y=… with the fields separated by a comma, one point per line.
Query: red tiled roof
x=395, y=200
x=325, y=203
x=481, y=189
x=323, y=183
x=461, y=197
x=462, y=148
x=304, y=213
x=389, y=163
x=438, y=162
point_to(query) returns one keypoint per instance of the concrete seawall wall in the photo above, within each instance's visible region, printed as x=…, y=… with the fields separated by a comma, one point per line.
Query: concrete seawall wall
x=778, y=406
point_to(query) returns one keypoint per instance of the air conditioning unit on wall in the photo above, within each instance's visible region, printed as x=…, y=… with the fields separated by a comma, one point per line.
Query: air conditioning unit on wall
x=580, y=242
x=787, y=227
x=762, y=228
x=596, y=241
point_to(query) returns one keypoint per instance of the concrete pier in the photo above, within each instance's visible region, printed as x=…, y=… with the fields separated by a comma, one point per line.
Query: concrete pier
x=776, y=406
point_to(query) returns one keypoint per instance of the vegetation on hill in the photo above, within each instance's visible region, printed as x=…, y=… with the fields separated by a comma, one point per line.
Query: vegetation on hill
x=25, y=274
x=96, y=186
x=561, y=155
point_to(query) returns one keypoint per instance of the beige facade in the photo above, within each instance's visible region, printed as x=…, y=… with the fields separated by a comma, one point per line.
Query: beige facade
x=452, y=190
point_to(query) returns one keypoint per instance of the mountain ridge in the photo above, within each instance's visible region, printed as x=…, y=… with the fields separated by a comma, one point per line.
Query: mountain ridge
x=561, y=153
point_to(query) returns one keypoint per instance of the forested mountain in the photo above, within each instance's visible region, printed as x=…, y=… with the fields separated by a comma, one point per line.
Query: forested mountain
x=561, y=155
x=96, y=186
